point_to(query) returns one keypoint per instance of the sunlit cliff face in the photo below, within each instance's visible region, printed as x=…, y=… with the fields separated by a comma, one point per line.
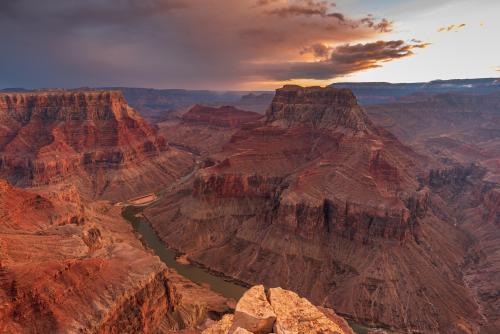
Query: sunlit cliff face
x=222, y=44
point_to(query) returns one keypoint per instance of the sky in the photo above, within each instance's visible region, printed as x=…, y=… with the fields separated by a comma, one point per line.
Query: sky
x=244, y=44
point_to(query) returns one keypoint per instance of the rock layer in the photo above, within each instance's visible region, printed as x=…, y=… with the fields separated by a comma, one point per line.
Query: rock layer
x=92, y=137
x=226, y=116
x=203, y=129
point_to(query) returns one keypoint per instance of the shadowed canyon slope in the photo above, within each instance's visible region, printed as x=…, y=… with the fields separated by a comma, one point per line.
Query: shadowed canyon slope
x=452, y=127
x=459, y=129
x=91, y=138
x=317, y=189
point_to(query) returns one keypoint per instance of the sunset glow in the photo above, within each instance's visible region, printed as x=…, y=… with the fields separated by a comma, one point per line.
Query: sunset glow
x=248, y=44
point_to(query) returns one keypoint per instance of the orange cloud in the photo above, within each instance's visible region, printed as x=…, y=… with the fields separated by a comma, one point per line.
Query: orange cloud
x=452, y=27
x=343, y=60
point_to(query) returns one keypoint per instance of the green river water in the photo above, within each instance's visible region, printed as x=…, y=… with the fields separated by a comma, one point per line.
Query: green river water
x=217, y=283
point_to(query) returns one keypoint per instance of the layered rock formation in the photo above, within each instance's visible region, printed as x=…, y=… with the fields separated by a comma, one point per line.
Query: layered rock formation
x=452, y=127
x=92, y=138
x=225, y=117
x=319, y=200
x=459, y=130
x=473, y=205
x=69, y=263
x=278, y=311
x=69, y=266
x=204, y=130
x=157, y=105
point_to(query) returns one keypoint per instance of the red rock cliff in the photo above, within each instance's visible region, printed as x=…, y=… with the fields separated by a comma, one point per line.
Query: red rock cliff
x=320, y=107
x=51, y=136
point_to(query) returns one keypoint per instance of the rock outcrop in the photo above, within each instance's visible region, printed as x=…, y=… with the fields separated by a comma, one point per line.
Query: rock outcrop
x=317, y=189
x=254, y=313
x=280, y=312
x=324, y=108
x=92, y=138
x=451, y=127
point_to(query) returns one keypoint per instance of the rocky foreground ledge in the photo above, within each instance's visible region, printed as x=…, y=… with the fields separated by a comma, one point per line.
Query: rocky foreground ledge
x=278, y=311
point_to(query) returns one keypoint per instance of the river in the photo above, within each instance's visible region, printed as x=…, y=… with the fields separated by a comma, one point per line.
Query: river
x=217, y=283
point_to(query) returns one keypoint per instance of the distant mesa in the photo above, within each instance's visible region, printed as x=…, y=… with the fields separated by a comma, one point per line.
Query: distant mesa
x=320, y=107
x=225, y=116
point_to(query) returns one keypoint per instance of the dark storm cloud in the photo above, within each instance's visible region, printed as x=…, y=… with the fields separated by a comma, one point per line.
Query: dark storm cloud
x=167, y=43
x=344, y=60
x=306, y=7
x=318, y=50
x=383, y=26
x=321, y=8
x=338, y=16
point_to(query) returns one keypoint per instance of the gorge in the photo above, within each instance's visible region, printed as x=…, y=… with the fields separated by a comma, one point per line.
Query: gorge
x=387, y=230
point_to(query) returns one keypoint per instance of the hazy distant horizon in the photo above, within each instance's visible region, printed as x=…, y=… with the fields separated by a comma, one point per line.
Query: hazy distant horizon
x=243, y=90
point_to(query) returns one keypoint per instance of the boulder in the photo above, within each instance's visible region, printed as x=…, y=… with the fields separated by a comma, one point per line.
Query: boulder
x=220, y=327
x=296, y=315
x=253, y=312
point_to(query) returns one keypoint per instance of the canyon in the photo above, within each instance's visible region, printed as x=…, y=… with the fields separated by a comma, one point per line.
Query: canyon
x=387, y=214
x=317, y=188
x=69, y=263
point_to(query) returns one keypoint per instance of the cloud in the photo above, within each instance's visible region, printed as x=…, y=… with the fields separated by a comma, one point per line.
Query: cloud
x=306, y=8
x=170, y=43
x=322, y=9
x=382, y=26
x=318, y=50
x=452, y=27
x=344, y=60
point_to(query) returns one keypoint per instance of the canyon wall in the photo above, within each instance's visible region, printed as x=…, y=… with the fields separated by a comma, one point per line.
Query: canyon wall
x=92, y=138
x=69, y=263
x=317, y=189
